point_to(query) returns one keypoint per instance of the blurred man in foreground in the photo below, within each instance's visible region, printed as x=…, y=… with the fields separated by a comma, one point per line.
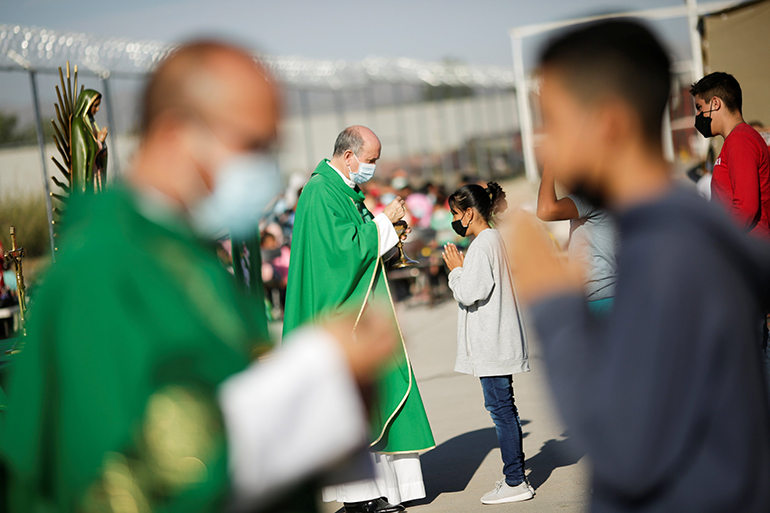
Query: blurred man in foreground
x=666, y=393
x=134, y=392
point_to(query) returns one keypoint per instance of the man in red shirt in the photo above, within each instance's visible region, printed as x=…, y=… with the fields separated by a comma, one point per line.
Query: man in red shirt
x=741, y=177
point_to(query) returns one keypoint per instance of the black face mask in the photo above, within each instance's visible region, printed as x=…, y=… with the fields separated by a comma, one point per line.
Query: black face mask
x=703, y=124
x=458, y=227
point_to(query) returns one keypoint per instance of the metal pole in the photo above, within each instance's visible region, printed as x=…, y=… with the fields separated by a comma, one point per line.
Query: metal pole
x=304, y=114
x=371, y=105
x=113, y=126
x=696, y=46
x=425, y=159
x=695, y=39
x=444, y=155
x=492, y=130
x=668, y=136
x=398, y=111
x=478, y=121
x=525, y=114
x=507, y=136
x=41, y=145
x=661, y=13
x=462, y=130
x=339, y=109
x=488, y=138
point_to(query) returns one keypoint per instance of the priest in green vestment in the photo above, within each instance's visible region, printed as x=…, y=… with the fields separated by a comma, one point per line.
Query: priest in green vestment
x=337, y=264
x=135, y=390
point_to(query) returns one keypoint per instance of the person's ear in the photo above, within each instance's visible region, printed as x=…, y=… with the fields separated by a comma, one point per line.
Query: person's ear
x=716, y=103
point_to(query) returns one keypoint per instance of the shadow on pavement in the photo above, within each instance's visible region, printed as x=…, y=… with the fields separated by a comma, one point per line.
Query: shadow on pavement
x=450, y=466
x=553, y=454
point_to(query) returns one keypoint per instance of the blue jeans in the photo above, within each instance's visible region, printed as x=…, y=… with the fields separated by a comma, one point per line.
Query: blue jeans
x=498, y=400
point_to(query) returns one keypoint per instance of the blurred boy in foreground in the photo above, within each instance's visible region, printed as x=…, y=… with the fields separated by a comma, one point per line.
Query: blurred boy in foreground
x=665, y=394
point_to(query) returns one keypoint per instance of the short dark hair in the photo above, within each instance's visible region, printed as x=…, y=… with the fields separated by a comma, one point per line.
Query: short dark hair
x=723, y=86
x=349, y=139
x=488, y=202
x=621, y=58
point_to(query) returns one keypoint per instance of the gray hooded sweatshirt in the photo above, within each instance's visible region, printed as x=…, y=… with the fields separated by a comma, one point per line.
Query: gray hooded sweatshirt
x=491, y=340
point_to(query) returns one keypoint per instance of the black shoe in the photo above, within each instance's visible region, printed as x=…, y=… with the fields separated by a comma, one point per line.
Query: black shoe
x=373, y=506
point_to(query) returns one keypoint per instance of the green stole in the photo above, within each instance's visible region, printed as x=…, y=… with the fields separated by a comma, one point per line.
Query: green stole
x=335, y=266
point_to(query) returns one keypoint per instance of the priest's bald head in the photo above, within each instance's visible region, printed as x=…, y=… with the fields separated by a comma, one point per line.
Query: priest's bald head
x=354, y=146
x=205, y=104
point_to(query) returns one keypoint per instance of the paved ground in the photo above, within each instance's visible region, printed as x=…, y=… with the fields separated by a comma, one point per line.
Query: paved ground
x=466, y=462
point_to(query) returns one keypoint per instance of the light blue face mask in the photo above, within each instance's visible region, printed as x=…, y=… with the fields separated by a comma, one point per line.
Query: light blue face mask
x=244, y=187
x=364, y=174
x=387, y=198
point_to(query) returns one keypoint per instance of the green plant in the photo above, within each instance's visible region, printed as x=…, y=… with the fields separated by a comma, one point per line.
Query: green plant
x=11, y=134
x=28, y=214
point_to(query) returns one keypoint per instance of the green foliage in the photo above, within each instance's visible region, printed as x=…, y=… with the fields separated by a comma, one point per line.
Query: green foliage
x=12, y=134
x=28, y=215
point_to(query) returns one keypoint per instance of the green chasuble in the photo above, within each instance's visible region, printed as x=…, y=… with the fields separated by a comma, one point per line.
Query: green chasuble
x=113, y=400
x=335, y=265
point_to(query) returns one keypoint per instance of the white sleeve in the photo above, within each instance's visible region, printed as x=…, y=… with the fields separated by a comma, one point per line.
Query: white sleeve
x=474, y=280
x=388, y=235
x=290, y=416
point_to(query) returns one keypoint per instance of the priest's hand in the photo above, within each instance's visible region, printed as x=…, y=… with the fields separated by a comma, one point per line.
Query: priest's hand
x=453, y=257
x=395, y=210
x=538, y=270
x=369, y=347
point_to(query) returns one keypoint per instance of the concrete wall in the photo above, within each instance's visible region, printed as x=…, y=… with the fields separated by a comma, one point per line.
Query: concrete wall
x=737, y=42
x=406, y=131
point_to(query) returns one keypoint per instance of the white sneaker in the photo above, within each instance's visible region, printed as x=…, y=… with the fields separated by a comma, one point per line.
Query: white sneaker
x=504, y=493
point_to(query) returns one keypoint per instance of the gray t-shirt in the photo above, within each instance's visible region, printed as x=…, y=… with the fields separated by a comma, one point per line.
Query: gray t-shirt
x=595, y=236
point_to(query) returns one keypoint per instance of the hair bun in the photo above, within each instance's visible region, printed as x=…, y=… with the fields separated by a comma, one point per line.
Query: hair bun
x=497, y=198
